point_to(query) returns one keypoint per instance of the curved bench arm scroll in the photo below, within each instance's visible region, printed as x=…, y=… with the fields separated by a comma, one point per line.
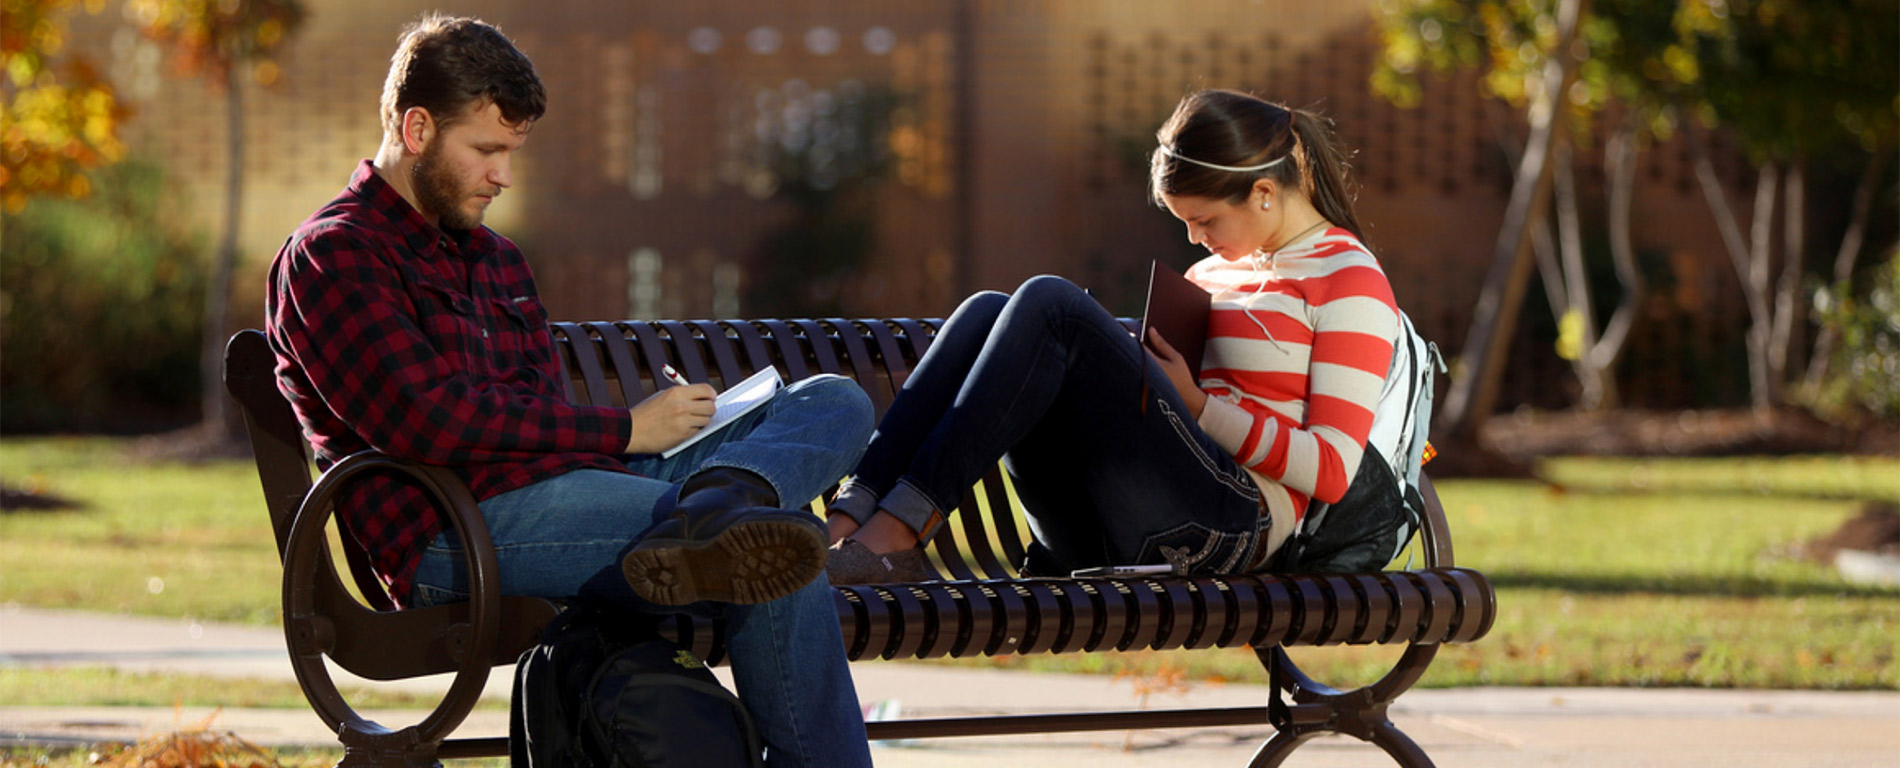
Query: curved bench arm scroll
x=309, y=630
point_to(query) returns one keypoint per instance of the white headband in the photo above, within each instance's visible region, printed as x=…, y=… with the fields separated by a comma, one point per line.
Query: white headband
x=1169, y=151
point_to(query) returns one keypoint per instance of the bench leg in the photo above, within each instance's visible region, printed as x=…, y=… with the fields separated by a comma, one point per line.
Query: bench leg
x=1279, y=747
x=1385, y=736
x=1317, y=709
x=1400, y=746
x=367, y=745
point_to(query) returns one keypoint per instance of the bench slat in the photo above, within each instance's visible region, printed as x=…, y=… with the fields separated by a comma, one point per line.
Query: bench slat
x=976, y=542
x=949, y=552
x=1082, y=624
x=1441, y=608
x=612, y=338
x=1006, y=534
x=758, y=354
x=912, y=632
x=918, y=333
x=942, y=615
x=888, y=376
x=1178, y=608
x=586, y=356
x=1274, y=625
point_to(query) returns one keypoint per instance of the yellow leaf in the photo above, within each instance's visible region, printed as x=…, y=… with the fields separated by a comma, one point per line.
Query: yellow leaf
x=1570, y=335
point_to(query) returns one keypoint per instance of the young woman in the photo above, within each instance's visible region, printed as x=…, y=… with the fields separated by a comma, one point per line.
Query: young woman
x=1207, y=476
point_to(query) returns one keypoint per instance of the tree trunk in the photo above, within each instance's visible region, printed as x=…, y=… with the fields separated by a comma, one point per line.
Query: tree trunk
x=1794, y=252
x=215, y=419
x=1598, y=386
x=1560, y=259
x=1844, y=260
x=1743, y=256
x=1755, y=282
x=1619, y=160
x=1550, y=268
x=1473, y=393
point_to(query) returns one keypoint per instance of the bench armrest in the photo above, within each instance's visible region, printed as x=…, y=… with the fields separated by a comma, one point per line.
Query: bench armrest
x=447, y=490
x=464, y=636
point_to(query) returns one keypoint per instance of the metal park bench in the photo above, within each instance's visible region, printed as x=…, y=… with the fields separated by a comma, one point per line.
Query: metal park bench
x=981, y=606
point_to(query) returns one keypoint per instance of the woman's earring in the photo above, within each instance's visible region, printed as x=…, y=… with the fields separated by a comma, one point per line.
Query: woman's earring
x=1265, y=204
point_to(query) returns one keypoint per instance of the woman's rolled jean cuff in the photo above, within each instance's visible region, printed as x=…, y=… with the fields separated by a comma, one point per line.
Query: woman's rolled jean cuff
x=915, y=510
x=854, y=501
x=909, y=505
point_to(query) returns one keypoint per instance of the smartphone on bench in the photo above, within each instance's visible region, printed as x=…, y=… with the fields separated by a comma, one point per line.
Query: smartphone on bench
x=1123, y=570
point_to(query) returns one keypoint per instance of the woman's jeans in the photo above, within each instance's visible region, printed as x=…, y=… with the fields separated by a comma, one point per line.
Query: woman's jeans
x=787, y=656
x=1102, y=451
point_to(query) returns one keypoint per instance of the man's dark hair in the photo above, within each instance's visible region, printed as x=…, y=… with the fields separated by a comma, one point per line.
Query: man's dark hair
x=448, y=64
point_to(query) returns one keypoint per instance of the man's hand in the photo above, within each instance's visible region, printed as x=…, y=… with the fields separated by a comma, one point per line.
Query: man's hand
x=670, y=416
x=1178, y=373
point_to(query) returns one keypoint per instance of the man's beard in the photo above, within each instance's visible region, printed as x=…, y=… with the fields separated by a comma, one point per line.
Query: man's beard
x=438, y=192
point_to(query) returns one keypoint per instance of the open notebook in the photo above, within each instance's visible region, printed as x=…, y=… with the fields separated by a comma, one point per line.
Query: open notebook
x=755, y=391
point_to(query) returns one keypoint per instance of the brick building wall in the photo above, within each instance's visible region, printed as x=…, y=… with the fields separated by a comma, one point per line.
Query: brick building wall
x=1014, y=135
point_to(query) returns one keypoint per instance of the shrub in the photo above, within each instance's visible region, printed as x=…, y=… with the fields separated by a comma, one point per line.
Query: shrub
x=101, y=302
x=1863, y=376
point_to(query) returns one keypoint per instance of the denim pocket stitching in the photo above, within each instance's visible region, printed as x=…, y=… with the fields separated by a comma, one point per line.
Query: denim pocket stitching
x=1212, y=542
x=1243, y=486
x=427, y=595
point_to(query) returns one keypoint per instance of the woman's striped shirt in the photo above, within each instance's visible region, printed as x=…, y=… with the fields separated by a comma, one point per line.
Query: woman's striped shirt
x=1297, y=351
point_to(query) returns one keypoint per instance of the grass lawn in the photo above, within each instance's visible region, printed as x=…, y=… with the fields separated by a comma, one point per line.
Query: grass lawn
x=108, y=687
x=1636, y=572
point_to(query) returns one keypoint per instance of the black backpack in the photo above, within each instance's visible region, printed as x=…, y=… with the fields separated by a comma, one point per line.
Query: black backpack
x=1362, y=531
x=608, y=692
x=1380, y=511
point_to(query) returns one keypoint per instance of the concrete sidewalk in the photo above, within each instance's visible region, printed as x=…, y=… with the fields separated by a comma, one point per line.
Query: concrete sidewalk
x=1479, y=728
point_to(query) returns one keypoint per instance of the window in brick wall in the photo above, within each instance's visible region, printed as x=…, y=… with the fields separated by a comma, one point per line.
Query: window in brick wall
x=616, y=112
x=726, y=286
x=645, y=181
x=643, y=283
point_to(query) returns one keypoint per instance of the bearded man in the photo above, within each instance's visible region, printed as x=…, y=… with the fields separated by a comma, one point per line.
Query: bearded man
x=403, y=325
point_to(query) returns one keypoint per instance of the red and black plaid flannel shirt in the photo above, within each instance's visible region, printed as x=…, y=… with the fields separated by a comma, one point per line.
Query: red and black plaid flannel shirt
x=429, y=346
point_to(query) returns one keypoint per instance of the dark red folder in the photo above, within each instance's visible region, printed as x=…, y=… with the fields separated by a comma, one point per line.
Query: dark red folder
x=1179, y=310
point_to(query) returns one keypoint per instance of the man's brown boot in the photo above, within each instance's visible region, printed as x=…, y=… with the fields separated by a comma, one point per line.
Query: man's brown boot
x=728, y=541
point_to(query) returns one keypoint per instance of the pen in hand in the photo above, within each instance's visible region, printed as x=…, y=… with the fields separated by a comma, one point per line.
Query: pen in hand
x=673, y=375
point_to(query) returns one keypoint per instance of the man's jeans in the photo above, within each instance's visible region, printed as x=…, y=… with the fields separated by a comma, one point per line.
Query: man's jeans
x=787, y=656
x=1048, y=381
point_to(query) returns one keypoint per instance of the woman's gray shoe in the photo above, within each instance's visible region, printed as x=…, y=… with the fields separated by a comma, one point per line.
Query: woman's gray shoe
x=853, y=563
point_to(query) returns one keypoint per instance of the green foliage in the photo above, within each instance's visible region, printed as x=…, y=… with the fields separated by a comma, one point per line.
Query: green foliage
x=1787, y=78
x=24, y=686
x=58, y=115
x=830, y=159
x=217, y=37
x=1864, y=375
x=99, y=308
x=1792, y=77
x=1506, y=41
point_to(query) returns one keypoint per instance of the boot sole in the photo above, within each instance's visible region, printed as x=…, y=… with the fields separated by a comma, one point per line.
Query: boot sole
x=756, y=561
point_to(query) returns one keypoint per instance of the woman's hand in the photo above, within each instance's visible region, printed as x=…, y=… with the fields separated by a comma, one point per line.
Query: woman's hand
x=1178, y=373
x=670, y=416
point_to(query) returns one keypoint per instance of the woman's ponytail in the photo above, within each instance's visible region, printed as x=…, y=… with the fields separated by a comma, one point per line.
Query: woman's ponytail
x=1324, y=169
